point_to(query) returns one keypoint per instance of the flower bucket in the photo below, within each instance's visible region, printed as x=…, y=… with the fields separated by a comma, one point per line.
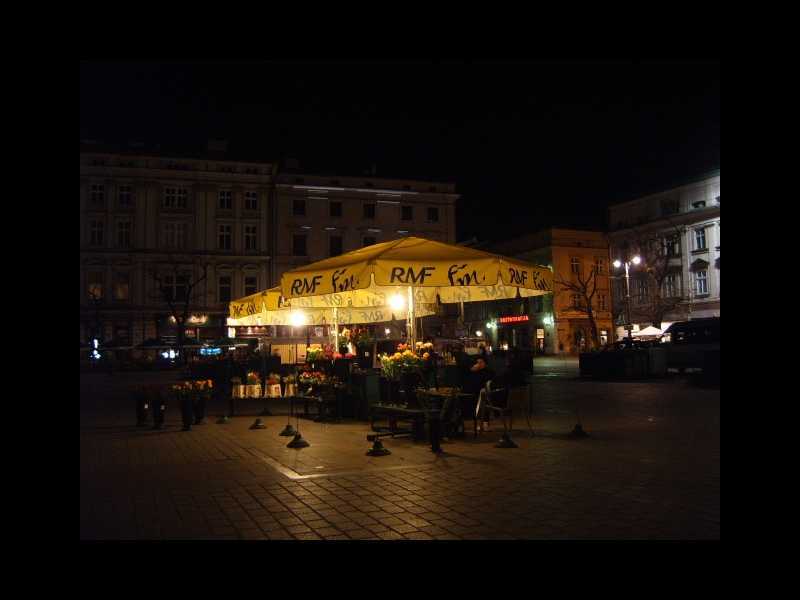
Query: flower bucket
x=274, y=390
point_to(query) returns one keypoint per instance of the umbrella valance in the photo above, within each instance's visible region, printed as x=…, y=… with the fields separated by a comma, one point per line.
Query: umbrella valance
x=324, y=316
x=426, y=265
x=255, y=303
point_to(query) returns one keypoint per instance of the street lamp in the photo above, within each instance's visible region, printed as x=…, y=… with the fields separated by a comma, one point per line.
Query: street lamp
x=617, y=264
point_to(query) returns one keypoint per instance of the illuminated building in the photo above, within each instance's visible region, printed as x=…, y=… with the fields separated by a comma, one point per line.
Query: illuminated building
x=686, y=222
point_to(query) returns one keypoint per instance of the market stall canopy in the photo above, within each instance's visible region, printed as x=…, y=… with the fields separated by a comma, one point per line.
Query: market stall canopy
x=262, y=309
x=366, y=277
x=648, y=331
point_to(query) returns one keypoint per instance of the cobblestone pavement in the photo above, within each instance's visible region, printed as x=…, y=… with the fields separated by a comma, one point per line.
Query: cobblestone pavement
x=650, y=470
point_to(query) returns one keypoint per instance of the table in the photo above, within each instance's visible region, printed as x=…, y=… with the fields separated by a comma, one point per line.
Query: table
x=466, y=404
x=417, y=417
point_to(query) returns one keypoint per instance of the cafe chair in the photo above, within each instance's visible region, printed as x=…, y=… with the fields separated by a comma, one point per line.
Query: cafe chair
x=496, y=401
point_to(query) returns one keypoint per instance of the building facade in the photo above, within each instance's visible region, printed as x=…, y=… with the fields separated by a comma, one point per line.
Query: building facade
x=146, y=219
x=225, y=229
x=555, y=323
x=684, y=225
x=322, y=216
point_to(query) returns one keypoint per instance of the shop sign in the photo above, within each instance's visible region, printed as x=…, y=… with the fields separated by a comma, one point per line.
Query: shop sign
x=540, y=334
x=514, y=319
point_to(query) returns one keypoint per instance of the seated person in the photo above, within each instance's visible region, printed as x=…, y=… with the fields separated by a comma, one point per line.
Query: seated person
x=478, y=375
x=476, y=381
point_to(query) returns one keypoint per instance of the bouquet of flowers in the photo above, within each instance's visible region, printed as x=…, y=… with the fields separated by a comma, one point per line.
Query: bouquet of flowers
x=312, y=377
x=346, y=355
x=314, y=354
x=404, y=360
x=290, y=379
x=253, y=378
x=273, y=379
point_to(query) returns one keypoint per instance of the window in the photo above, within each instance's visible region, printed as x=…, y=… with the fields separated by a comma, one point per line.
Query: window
x=299, y=245
x=672, y=244
x=175, y=235
x=701, y=282
x=224, y=236
x=251, y=200
x=576, y=301
x=699, y=204
x=126, y=196
x=700, y=239
x=575, y=265
x=641, y=291
x=124, y=234
x=122, y=284
x=671, y=286
x=250, y=285
x=224, y=289
x=94, y=284
x=369, y=211
x=368, y=241
x=407, y=213
x=299, y=207
x=335, y=245
x=602, y=303
x=433, y=214
x=600, y=266
x=225, y=200
x=335, y=208
x=96, y=233
x=250, y=238
x=97, y=194
x=175, y=197
x=175, y=286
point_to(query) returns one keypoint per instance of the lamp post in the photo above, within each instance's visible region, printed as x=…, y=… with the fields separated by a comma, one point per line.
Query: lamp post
x=617, y=264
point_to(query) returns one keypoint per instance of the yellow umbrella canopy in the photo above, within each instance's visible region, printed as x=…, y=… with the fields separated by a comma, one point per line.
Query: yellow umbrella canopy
x=456, y=273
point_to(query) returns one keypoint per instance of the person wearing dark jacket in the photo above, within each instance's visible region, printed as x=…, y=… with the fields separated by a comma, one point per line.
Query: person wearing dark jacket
x=478, y=376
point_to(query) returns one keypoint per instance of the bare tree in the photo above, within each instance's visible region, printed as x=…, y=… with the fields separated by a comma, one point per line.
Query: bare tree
x=654, y=301
x=585, y=289
x=179, y=287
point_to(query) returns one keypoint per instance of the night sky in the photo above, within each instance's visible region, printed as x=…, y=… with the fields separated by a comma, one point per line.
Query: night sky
x=529, y=144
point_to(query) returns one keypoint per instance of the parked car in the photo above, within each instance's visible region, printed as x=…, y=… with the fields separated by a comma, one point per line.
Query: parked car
x=692, y=344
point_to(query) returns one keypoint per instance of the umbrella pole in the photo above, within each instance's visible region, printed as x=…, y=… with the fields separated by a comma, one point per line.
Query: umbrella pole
x=335, y=330
x=412, y=334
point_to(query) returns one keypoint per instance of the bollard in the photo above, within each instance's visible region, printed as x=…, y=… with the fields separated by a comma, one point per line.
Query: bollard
x=187, y=410
x=141, y=407
x=200, y=408
x=159, y=406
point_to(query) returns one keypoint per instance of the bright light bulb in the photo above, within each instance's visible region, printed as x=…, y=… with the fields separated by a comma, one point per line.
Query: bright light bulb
x=397, y=302
x=617, y=264
x=479, y=333
x=297, y=319
x=386, y=331
x=636, y=260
